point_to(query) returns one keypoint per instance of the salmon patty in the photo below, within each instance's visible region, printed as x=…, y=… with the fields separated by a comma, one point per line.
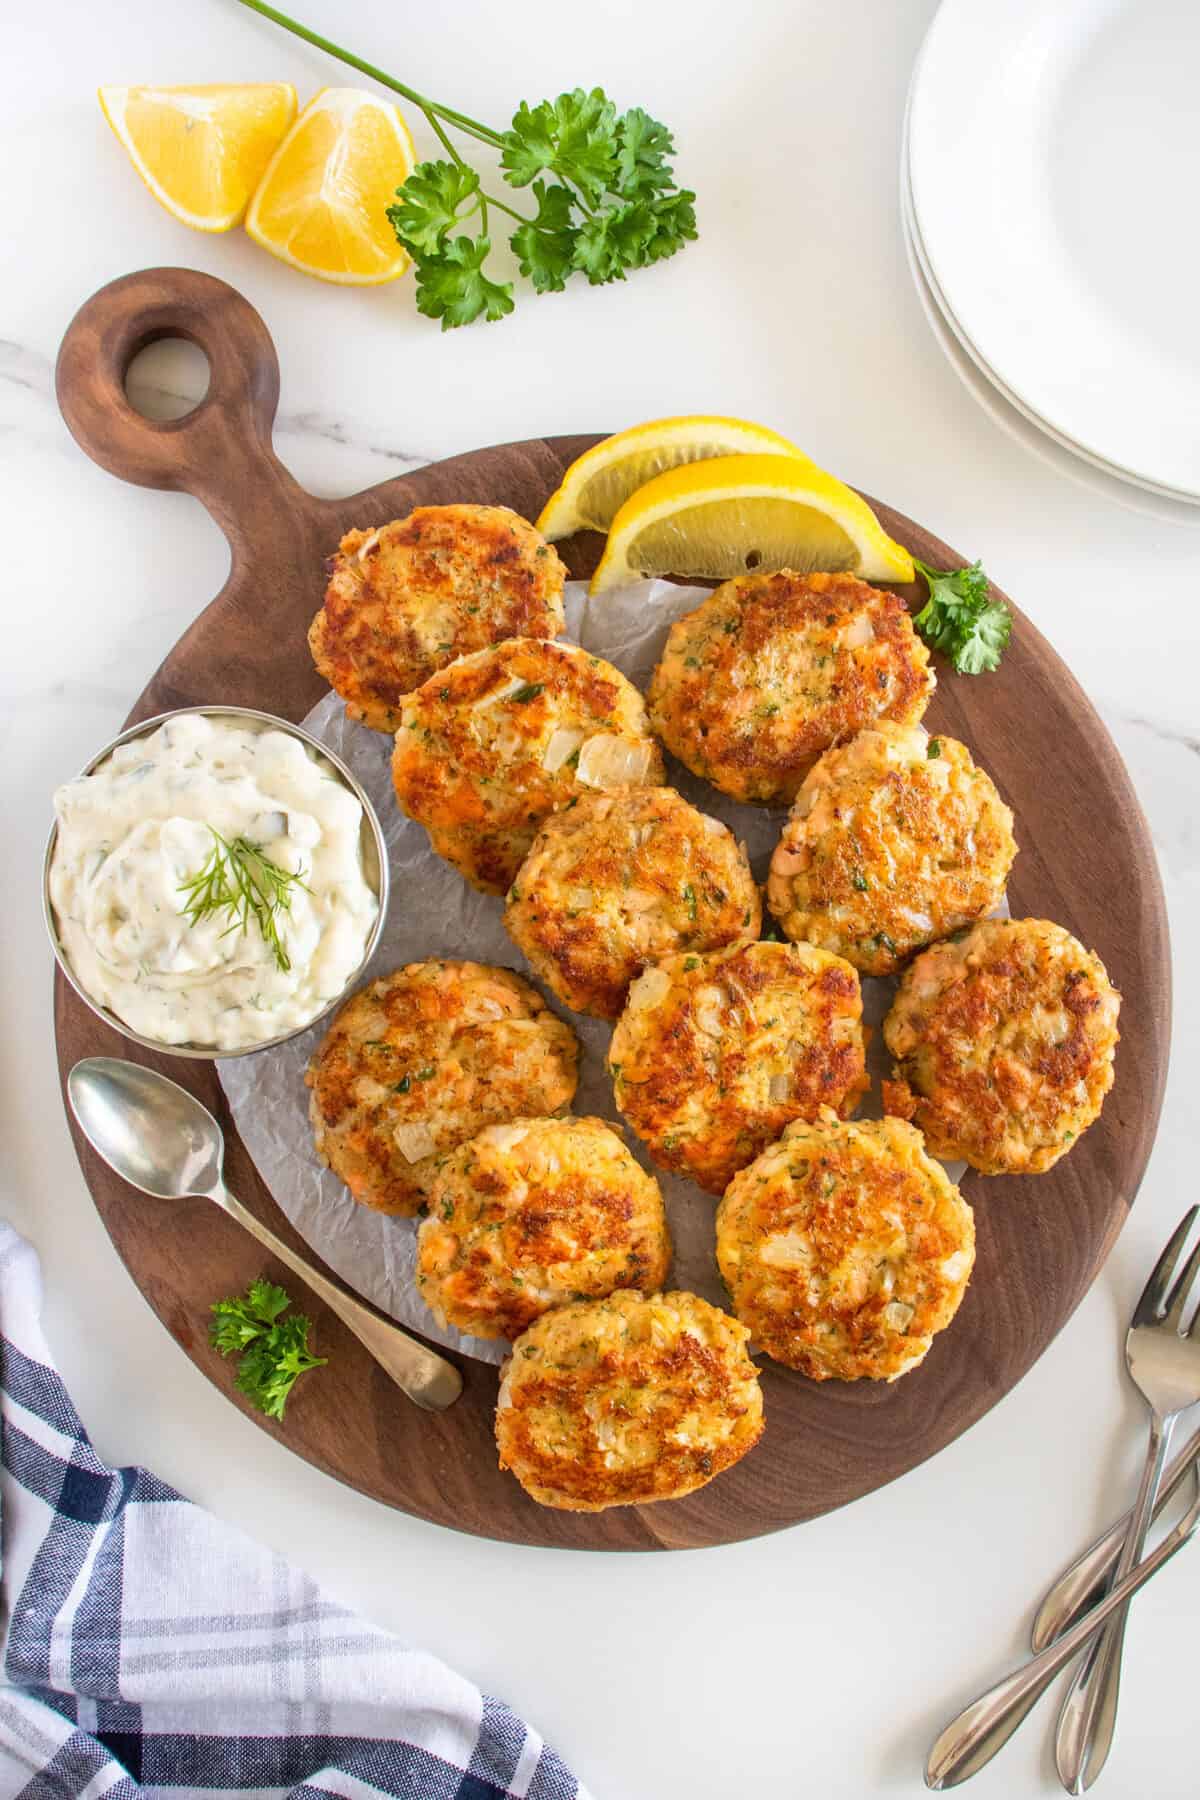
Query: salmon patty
x=422, y=1059
x=895, y=839
x=531, y=1215
x=627, y=1400
x=1004, y=1041
x=622, y=879
x=407, y=598
x=494, y=744
x=770, y=670
x=716, y=1052
x=845, y=1248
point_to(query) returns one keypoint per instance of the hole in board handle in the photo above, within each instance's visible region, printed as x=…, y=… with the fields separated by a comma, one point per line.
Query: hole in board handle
x=167, y=379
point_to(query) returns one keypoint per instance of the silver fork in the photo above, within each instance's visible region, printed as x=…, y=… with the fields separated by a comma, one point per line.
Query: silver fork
x=1170, y=1366
x=1165, y=1365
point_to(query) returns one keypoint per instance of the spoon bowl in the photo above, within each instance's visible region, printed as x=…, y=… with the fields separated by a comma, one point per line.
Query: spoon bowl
x=156, y=1135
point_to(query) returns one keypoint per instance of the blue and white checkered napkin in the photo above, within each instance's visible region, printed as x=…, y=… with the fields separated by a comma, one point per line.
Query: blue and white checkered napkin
x=150, y=1650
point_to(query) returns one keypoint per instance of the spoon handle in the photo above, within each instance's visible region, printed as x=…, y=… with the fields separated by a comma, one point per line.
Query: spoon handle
x=1084, y=1582
x=974, y=1736
x=427, y=1378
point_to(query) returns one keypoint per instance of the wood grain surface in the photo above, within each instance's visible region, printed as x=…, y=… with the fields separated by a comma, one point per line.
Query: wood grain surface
x=1086, y=861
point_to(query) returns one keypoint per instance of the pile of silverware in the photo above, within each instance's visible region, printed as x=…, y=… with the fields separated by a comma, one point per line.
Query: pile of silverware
x=1084, y=1612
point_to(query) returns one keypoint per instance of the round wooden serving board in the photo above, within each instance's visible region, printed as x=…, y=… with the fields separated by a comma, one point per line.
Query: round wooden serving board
x=1086, y=861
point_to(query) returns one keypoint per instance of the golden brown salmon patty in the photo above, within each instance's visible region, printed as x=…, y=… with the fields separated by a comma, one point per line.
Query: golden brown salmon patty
x=422, y=1059
x=497, y=742
x=530, y=1215
x=1004, y=1041
x=845, y=1248
x=771, y=670
x=623, y=879
x=622, y=1401
x=895, y=839
x=407, y=598
x=715, y=1053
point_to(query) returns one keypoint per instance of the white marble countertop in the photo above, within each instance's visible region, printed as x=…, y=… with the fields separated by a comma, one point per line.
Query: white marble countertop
x=821, y=1660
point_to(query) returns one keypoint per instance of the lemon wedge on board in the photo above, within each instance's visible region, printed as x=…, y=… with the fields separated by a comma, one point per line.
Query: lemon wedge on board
x=737, y=514
x=321, y=205
x=599, y=482
x=201, y=150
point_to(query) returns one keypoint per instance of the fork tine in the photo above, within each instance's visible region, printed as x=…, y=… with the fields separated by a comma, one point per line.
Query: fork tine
x=1154, y=1294
x=1181, y=1292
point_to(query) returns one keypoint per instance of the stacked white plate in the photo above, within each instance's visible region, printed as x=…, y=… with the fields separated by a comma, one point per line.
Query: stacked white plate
x=1050, y=193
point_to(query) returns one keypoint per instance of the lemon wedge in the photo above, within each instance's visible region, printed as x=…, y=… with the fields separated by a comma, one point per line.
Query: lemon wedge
x=599, y=482
x=736, y=514
x=322, y=204
x=201, y=150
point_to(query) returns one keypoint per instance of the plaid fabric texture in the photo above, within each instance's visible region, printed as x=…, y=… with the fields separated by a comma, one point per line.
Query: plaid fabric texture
x=150, y=1650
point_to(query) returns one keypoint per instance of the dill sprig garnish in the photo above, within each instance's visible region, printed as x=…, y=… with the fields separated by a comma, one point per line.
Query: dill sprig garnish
x=240, y=878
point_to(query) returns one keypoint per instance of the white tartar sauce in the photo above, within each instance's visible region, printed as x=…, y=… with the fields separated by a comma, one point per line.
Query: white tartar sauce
x=136, y=830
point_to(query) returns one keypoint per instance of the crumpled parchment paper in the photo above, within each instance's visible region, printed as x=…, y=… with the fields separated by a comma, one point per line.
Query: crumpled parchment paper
x=433, y=912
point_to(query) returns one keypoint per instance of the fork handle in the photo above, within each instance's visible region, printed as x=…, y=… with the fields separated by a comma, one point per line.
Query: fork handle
x=1088, y=1717
x=971, y=1739
x=1084, y=1581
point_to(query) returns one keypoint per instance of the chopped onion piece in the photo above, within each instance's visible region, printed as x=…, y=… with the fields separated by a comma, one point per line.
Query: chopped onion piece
x=898, y=1315
x=563, y=744
x=414, y=1142
x=609, y=761
x=779, y=1088
x=709, y=1011
x=368, y=544
x=650, y=988
x=787, y=1250
x=507, y=1137
x=502, y=693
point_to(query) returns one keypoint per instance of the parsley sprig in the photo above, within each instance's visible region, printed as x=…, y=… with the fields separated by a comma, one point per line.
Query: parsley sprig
x=240, y=879
x=604, y=195
x=962, y=620
x=273, y=1350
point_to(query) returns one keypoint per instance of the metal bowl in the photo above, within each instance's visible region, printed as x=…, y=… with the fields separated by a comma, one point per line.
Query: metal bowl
x=375, y=871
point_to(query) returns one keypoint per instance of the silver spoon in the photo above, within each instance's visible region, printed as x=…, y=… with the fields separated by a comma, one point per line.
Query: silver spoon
x=159, y=1138
x=973, y=1738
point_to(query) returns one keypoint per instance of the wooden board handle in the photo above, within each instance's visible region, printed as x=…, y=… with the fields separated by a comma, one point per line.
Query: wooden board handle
x=220, y=451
